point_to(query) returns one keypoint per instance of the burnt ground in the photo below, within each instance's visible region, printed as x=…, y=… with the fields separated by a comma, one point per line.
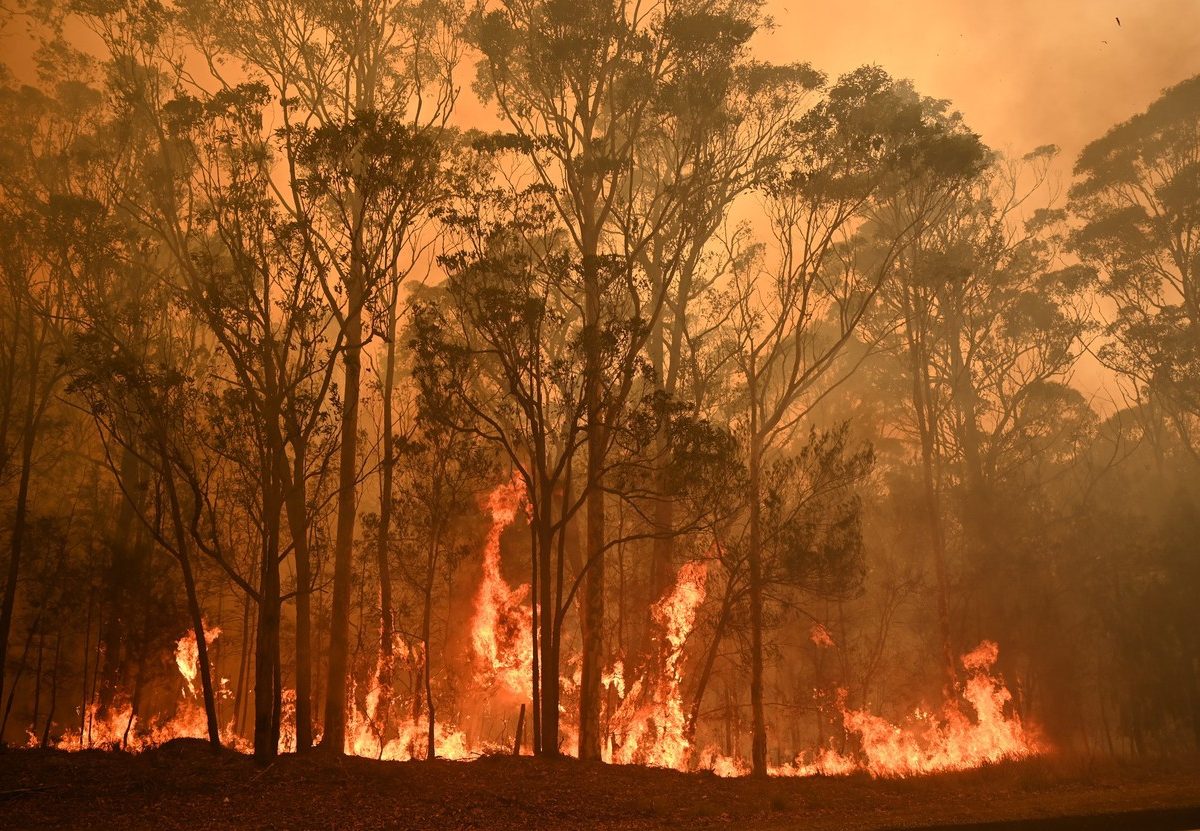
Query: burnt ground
x=189, y=787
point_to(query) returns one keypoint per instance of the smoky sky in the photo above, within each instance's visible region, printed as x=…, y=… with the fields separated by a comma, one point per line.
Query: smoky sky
x=1023, y=72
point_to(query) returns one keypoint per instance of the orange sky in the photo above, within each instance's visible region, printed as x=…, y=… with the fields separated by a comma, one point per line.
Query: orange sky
x=1023, y=72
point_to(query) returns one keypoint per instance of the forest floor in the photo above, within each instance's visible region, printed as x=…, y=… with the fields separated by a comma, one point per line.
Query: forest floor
x=185, y=786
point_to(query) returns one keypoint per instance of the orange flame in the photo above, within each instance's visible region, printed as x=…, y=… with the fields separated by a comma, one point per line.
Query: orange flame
x=119, y=728
x=923, y=744
x=501, y=628
x=650, y=727
x=187, y=655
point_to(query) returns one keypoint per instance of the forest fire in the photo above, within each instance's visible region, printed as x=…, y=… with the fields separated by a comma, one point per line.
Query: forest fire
x=118, y=727
x=648, y=724
x=596, y=391
x=925, y=743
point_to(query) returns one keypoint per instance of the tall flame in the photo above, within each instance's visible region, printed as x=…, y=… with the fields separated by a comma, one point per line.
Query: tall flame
x=501, y=628
x=650, y=727
x=187, y=655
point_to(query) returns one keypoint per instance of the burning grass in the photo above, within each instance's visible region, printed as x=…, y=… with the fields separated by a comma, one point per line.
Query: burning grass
x=647, y=726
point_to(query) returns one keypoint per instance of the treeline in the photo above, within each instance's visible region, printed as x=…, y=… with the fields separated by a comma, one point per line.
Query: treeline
x=277, y=317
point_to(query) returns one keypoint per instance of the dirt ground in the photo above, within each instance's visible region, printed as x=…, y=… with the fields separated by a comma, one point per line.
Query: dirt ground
x=189, y=787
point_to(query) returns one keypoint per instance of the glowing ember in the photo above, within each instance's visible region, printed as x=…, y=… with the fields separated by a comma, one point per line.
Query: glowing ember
x=820, y=636
x=501, y=628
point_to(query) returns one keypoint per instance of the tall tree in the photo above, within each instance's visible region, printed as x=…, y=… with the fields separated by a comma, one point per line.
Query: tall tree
x=365, y=90
x=797, y=308
x=1137, y=196
x=585, y=87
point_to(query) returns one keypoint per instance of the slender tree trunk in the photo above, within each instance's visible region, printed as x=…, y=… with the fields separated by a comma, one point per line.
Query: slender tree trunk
x=758, y=743
x=297, y=514
x=17, y=543
x=548, y=660
x=24, y=662
x=193, y=601
x=266, y=657
x=239, y=697
x=386, y=660
x=710, y=660
x=45, y=739
x=427, y=641
x=334, y=740
x=593, y=589
x=37, y=684
x=534, y=640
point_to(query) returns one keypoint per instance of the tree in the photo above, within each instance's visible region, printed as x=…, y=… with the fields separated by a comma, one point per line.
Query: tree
x=794, y=314
x=365, y=93
x=1136, y=196
x=988, y=322
x=589, y=89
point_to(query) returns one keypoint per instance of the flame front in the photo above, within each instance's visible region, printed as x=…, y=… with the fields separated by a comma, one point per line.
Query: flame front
x=923, y=744
x=646, y=724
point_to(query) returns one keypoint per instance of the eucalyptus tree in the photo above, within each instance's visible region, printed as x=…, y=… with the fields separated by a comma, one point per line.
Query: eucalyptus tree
x=364, y=91
x=726, y=129
x=798, y=303
x=591, y=90
x=1136, y=196
x=507, y=346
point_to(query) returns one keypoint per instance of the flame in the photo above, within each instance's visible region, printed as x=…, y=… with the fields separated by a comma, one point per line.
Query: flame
x=956, y=742
x=118, y=727
x=646, y=722
x=649, y=726
x=501, y=628
x=187, y=655
x=923, y=744
x=820, y=636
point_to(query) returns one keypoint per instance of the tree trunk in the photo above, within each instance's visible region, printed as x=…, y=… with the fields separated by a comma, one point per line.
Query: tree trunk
x=427, y=659
x=592, y=621
x=193, y=601
x=334, y=740
x=710, y=660
x=266, y=650
x=758, y=743
x=297, y=515
x=548, y=659
x=385, y=664
x=21, y=512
